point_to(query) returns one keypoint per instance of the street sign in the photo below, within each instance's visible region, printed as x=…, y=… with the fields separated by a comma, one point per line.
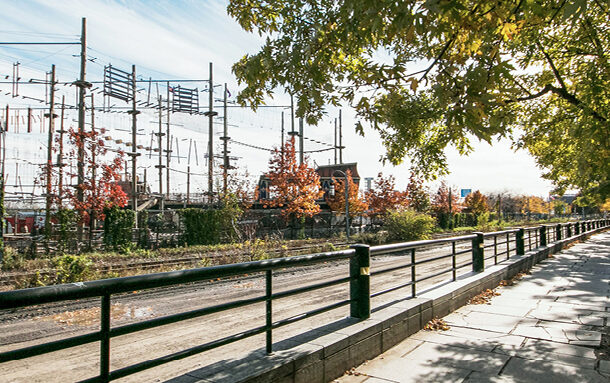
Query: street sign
x=465, y=192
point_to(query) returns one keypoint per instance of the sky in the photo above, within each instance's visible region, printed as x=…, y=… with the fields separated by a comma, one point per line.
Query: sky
x=178, y=40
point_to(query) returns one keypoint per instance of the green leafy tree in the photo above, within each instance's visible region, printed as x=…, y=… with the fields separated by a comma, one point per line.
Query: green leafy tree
x=433, y=74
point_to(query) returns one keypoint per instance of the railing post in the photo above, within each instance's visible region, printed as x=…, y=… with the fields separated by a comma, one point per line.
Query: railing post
x=576, y=228
x=453, y=262
x=360, y=284
x=478, y=250
x=413, y=275
x=268, y=311
x=543, y=241
x=568, y=230
x=558, y=232
x=520, y=242
x=583, y=225
x=105, y=339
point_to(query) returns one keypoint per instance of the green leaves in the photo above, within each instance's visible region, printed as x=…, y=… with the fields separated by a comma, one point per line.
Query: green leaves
x=433, y=74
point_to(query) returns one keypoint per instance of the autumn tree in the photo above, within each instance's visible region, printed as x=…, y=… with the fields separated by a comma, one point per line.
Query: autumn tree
x=417, y=194
x=292, y=186
x=445, y=200
x=533, y=204
x=536, y=72
x=100, y=187
x=383, y=196
x=476, y=203
x=357, y=205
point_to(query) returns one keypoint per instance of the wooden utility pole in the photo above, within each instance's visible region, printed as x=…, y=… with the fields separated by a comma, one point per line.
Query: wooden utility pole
x=60, y=156
x=168, y=145
x=225, y=143
x=49, y=172
x=210, y=115
x=82, y=85
x=134, y=130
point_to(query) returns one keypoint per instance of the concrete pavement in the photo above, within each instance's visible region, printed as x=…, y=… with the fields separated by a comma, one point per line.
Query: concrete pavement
x=550, y=326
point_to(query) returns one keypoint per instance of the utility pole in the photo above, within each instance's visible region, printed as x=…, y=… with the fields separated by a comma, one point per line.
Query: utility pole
x=282, y=138
x=335, y=149
x=340, y=139
x=94, y=191
x=225, y=143
x=210, y=113
x=168, y=145
x=60, y=156
x=49, y=172
x=134, y=126
x=450, y=197
x=301, y=157
x=82, y=85
x=160, y=141
x=292, y=132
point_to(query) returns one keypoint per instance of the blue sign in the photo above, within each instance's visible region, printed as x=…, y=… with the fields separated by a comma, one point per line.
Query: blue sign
x=465, y=192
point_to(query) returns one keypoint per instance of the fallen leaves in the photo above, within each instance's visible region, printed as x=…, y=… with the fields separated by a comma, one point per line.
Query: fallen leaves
x=483, y=298
x=436, y=324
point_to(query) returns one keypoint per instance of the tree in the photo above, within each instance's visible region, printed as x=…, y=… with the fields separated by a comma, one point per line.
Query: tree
x=336, y=203
x=384, y=196
x=560, y=207
x=293, y=187
x=476, y=203
x=536, y=72
x=419, y=200
x=445, y=200
x=532, y=204
x=101, y=189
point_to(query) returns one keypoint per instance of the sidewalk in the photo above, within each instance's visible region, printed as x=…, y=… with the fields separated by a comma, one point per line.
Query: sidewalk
x=546, y=327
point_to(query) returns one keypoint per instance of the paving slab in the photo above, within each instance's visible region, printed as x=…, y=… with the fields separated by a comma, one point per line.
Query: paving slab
x=545, y=328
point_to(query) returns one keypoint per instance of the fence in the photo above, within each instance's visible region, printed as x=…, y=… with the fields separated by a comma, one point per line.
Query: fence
x=503, y=243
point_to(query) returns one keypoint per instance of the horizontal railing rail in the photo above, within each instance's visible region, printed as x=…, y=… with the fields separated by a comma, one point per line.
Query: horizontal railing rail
x=502, y=243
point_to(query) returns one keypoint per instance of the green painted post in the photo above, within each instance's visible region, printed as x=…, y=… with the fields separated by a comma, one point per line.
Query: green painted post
x=478, y=253
x=558, y=231
x=360, y=284
x=543, y=241
x=520, y=242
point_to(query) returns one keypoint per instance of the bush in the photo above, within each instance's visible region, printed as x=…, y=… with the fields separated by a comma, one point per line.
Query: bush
x=12, y=260
x=408, y=225
x=118, y=227
x=66, y=223
x=72, y=268
x=211, y=226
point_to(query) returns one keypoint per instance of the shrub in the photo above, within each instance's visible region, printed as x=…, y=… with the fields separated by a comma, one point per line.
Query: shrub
x=72, y=268
x=408, y=225
x=12, y=260
x=211, y=226
x=118, y=227
x=66, y=222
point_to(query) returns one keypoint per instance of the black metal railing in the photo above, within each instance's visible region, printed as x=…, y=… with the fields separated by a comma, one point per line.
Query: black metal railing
x=501, y=245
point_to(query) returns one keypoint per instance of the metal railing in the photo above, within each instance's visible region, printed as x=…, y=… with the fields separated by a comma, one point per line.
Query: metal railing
x=501, y=245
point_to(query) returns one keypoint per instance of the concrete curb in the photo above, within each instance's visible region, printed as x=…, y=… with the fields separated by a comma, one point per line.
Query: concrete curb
x=326, y=353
